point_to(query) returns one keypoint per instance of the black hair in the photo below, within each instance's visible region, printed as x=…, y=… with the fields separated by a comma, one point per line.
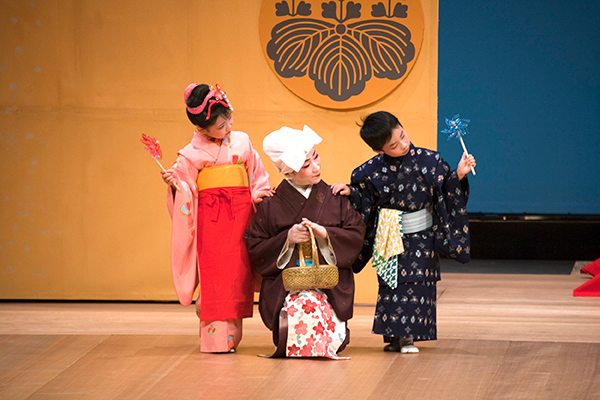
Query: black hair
x=376, y=129
x=196, y=98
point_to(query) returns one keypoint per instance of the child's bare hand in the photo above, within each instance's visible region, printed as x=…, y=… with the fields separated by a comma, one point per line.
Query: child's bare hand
x=170, y=176
x=340, y=188
x=466, y=163
x=261, y=195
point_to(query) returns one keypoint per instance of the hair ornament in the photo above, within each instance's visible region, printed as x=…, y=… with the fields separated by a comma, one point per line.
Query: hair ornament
x=223, y=96
x=214, y=96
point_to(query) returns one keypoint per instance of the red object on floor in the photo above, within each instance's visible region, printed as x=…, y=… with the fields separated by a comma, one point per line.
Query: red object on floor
x=590, y=288
x=593, y=268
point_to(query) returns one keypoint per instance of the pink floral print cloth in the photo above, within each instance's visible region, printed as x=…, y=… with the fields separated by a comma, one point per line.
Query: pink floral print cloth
x=313, y=328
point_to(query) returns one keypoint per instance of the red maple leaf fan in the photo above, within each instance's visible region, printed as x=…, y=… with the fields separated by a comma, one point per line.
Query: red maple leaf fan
x=152, y=146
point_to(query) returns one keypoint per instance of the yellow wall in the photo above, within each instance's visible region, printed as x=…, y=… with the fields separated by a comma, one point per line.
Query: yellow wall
x=82, y=204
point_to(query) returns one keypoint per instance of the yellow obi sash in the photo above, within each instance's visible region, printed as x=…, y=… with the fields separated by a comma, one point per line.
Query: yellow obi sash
x=222, y=176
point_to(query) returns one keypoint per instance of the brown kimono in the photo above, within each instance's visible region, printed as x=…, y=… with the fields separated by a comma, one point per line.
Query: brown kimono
x=267, y=234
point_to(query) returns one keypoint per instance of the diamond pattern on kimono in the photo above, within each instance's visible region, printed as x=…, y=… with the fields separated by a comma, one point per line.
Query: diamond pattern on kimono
x=386, y=269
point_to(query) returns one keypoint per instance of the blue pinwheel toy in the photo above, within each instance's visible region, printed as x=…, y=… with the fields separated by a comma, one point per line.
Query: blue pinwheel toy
x=458, y=128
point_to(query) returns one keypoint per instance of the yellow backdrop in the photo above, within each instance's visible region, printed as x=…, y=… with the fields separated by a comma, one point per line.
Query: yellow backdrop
x=82, y=204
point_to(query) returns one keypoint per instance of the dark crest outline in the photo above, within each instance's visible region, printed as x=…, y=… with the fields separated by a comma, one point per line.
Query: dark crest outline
x=340, y=57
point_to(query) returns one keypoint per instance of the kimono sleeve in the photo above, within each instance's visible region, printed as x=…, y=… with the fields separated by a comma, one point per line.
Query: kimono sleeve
x=347, y=238
x=452, y=231
x=263, y=243
x=257, y=175
x=182, y=205
x=364, y=197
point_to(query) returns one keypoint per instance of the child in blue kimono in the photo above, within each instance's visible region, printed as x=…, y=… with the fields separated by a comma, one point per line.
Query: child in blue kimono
x=414, y=207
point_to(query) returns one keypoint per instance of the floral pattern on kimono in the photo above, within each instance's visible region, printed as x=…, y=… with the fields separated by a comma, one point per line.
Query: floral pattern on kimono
x=314, y=330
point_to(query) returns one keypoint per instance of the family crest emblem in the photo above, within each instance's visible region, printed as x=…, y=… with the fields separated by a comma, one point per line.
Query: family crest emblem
x=345, y=54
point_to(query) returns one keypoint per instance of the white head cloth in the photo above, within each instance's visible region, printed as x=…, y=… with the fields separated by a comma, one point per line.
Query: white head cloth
x=288, y=147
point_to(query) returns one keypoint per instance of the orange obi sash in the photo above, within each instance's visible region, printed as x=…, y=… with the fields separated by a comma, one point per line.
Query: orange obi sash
x=222, y=176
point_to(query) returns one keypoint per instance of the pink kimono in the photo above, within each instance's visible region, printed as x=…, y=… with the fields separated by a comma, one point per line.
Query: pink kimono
x=207, y=246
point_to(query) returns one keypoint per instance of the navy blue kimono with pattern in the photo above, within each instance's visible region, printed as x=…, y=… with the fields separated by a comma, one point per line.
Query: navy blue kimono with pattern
x=421, y=179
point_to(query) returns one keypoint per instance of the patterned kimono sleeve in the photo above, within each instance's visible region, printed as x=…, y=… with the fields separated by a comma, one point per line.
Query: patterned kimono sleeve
x=182, y=206
x=363, y=196
x=187, y=175
x=452, y=235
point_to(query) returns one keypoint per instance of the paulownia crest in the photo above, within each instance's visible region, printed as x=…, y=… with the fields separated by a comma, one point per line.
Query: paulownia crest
x=338, y=55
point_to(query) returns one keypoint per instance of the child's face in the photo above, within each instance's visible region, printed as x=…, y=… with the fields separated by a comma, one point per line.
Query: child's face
x=398, y=145
x=221, y=129
x=310, y=173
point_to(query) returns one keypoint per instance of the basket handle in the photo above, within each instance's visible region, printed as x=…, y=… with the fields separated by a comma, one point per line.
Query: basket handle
x=315, y=255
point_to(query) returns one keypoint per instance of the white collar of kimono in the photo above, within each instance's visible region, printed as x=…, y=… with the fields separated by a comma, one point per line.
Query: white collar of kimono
x=303, y=191
x=287, y=148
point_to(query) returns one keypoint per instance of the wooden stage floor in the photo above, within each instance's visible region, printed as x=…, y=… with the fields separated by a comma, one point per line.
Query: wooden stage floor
x=501, y=336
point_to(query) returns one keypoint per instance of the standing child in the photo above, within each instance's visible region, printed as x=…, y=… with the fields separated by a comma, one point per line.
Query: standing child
x=414, y=206
x=219, y=177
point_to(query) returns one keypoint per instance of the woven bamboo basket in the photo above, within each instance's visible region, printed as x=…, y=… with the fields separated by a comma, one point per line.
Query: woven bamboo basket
x=313, y=276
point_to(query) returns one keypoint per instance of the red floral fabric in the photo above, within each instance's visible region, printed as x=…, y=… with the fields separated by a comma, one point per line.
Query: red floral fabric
x=314, y=329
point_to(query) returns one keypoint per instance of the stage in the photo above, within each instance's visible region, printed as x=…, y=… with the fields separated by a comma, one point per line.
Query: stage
x=501, y=336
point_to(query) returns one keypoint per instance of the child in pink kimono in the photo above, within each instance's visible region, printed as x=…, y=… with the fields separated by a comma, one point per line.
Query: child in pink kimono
x=220, y=178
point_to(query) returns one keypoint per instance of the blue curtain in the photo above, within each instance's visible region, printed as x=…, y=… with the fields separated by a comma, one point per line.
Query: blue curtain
x=527, y=75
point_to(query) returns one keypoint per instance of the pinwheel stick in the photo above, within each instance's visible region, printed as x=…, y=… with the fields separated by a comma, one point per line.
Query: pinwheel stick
x=466, y=152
